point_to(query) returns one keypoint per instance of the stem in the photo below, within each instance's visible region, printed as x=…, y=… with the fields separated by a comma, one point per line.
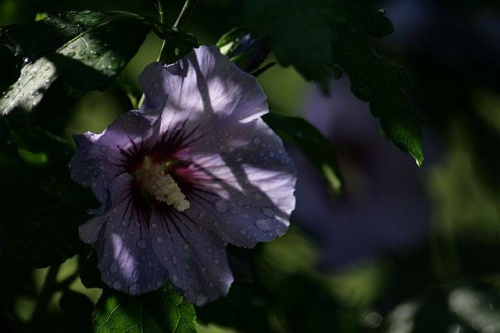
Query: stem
x=161, y=12
x=189, y=5
x=48, y=289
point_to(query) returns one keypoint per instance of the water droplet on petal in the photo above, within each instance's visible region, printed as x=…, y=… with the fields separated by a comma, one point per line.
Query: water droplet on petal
x=159, y=240
x=134, y=289
x=142, y=244
x=256, y=140
x=185, y=246
x=117, y=284
x=268, y=212
x=243, y=232
x=258, y=196
x=201, y=299
x=221, y=206
x=159, y=283
x=175, y=278
x=264, y=225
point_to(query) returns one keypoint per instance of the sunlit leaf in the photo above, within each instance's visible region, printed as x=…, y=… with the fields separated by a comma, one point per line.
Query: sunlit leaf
x=85, y=49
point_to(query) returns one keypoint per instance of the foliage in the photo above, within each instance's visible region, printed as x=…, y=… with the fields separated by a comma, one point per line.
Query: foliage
x=51, y=64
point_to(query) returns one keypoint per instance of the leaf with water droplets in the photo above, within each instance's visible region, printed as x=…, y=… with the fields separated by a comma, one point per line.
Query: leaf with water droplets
x=319, y=36
x=160, y=311
x=86, y=50
x=318, y=149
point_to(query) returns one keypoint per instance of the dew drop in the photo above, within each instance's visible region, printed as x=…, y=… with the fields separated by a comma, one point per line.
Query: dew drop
x=243, y=232
x=71, y=54
x=142, y=244
x=201, y=299
x=159, y=283
x=134, y=289
x=264, y=225
x=203, y=269
x=175, y=278
x=221, y=206
x=256, y=140
x=258, y=196
x=271, y=154
x=117, y=284
x=185, y=246
x=268, y=212
x=159, y=240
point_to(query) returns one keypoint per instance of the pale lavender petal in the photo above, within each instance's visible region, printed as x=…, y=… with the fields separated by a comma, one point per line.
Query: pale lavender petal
x=123, y=243
x=202, y=86
x=99, y=158
x=195, y=258
x=243, y=183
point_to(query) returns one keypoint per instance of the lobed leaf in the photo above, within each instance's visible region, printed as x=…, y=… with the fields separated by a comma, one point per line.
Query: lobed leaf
x=86, y=49
x=160, y=311
x=316, y=36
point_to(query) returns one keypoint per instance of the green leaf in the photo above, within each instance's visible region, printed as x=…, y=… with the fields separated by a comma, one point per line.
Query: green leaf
x=318, y=149
x=160, y=311
x=316, y=36
x=376, y=81
x=85, y=49
x=176, y=45
x=298, y=32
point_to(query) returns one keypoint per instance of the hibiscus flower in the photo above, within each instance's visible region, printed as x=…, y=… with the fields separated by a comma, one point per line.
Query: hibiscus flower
x=194, y=169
